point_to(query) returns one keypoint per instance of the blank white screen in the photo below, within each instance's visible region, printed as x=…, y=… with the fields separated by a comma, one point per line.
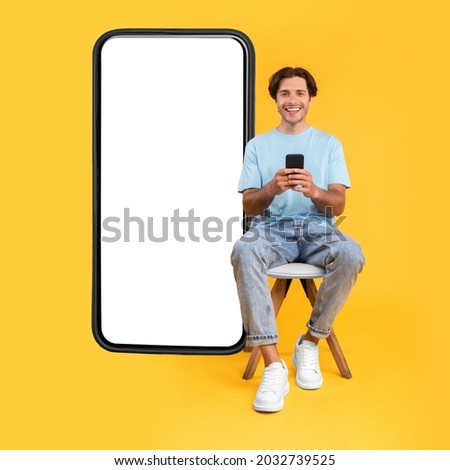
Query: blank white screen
x=171, y=140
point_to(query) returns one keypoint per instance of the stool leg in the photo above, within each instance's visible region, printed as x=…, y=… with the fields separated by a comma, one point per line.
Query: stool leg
x=310, y=289
x=278, y=293
x=252, y=363
x=338, y=355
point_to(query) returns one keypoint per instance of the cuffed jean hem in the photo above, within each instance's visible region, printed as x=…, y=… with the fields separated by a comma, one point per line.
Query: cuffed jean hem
x=317, y=333
x=261, y=340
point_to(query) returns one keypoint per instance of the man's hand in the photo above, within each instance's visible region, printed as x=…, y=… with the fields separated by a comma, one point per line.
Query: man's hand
x=255, y=201
x=302, y=182
x=281, y=182
x=333, y=198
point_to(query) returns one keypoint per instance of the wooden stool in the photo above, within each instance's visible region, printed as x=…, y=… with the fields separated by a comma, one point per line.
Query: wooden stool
x=306, y=273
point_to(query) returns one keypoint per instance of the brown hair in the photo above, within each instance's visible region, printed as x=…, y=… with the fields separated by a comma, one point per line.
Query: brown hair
x=291, y=72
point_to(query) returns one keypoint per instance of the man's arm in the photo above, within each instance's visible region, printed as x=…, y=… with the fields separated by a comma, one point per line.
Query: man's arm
x=334, y=197
x=256, y=201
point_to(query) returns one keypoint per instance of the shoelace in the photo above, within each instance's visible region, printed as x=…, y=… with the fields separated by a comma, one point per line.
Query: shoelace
x=309, y=357
x=271, y=380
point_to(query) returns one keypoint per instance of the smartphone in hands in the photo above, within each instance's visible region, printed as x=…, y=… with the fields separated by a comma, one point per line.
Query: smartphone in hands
x=295, y=160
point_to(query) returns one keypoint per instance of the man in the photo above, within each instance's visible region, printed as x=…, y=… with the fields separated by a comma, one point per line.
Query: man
x=292, y=220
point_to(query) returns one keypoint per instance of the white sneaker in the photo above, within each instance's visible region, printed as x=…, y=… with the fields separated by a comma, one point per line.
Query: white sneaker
x=306, y=361
x=273, y=388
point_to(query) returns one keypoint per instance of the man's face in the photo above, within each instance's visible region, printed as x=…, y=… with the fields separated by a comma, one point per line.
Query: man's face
x=293, y=100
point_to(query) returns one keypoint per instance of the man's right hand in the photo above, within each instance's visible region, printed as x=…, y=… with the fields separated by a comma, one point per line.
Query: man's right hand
x=280, y=182
x=256, y=201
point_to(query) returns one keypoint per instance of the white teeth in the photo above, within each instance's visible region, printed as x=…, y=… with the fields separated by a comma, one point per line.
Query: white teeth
x=292, y=109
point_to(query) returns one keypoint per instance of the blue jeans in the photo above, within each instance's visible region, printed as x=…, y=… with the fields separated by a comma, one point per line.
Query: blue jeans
x=266, y=246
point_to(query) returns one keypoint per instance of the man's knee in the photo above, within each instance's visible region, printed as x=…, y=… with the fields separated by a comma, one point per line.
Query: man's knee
x=350, y=255
x=236, y=252
x=245, y=248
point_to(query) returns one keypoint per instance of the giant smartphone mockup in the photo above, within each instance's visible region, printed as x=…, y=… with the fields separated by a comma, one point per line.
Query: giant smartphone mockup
x=173, y=110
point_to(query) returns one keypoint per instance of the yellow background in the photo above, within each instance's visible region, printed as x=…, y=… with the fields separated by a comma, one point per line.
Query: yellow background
x=383, y=76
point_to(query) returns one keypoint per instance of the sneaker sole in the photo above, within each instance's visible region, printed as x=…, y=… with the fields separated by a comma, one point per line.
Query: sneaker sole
x=305, y=386
x=275, y=406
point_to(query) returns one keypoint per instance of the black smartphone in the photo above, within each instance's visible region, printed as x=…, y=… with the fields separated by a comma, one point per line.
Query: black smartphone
x=295, y=160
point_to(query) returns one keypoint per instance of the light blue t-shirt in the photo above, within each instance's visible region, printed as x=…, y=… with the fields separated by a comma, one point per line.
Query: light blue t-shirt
x=265, y=154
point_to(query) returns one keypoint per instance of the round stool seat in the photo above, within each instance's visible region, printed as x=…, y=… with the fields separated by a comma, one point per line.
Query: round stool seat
x=296, y=271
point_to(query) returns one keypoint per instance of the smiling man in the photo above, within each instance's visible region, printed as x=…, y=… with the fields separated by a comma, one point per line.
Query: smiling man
x=292, y=212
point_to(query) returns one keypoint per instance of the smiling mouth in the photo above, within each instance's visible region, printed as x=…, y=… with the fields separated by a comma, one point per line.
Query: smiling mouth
x=292, y=110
